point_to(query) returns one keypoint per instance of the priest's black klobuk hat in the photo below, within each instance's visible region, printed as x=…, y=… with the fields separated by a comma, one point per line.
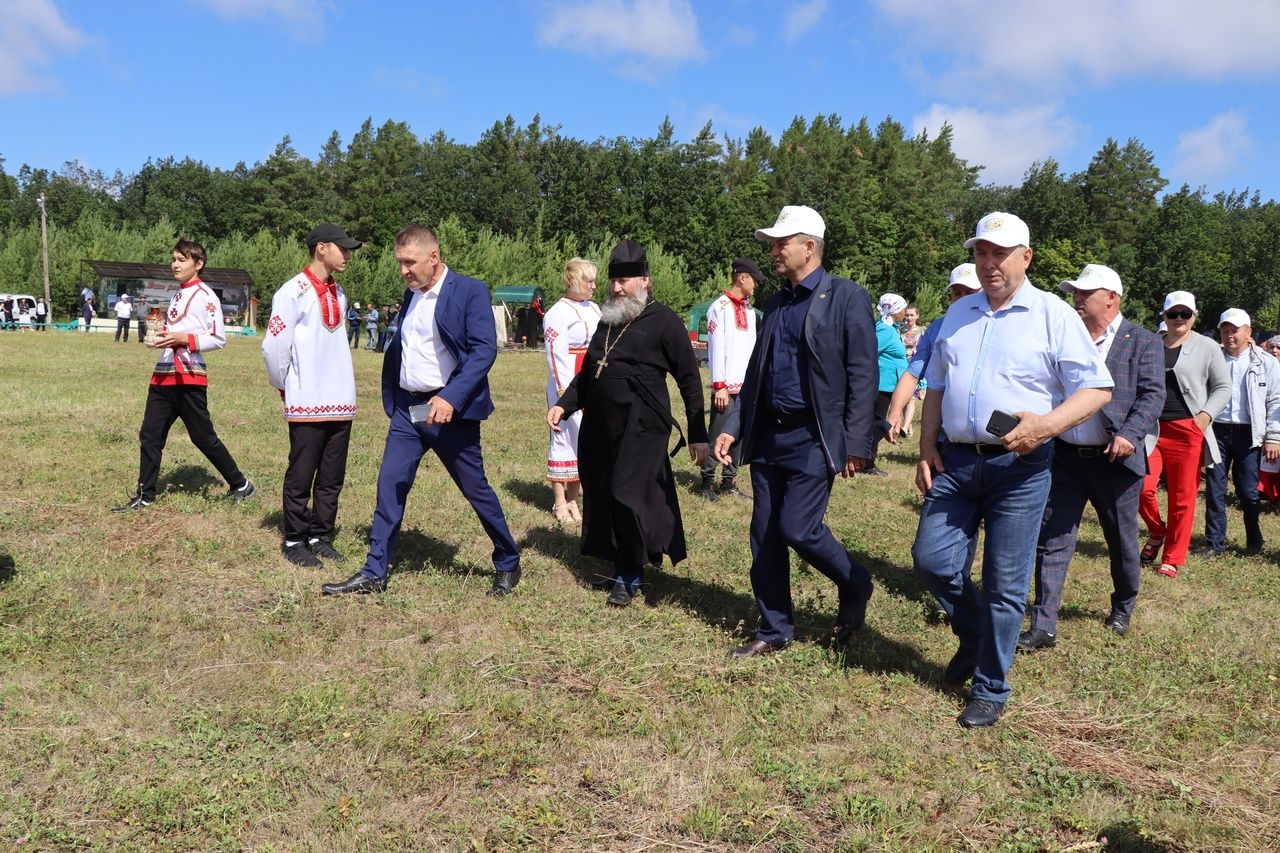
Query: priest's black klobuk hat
x=628, y=260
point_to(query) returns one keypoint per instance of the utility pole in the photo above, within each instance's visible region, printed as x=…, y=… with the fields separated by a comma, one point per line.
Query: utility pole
x=44, y=247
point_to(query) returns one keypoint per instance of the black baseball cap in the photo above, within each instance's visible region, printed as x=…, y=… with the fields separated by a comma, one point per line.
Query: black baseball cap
x=749, y=267
x=326, y=233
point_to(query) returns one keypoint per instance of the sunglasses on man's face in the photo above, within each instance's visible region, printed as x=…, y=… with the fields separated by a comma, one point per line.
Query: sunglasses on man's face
x=1179, y=315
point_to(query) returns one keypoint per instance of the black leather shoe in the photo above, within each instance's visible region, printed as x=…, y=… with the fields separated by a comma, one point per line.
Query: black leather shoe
x=300, y=555
x=243, y=493
x=1034, y=639
x=708, y=491
x=754, y=648
x=619, y=595
x=504, y=583
x=980, y=713
x=1117, y=622
x=1253, y=548
x=360, y=584
x=326, y=551
x=962, y=665
x=729, y=489
x=1211, y=553
x=852, y=614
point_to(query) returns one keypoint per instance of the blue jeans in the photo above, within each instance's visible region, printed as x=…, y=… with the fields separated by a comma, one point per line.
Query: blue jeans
x=1236, y=452
x=1007, y=493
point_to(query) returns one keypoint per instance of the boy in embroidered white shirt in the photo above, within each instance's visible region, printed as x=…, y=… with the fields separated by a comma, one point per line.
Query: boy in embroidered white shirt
x=305, y=350
x=731, y=336
x=179, y=382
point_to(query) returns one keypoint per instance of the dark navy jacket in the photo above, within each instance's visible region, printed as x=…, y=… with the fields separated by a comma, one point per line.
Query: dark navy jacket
x=464, y=319
x=843, y=372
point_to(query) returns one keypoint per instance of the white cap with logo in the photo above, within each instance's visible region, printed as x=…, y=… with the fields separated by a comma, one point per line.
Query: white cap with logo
x=1235, y=316
x=1094, y=277
x=1003, y=229
x=1181, y=297
x=965, y=275
x=795, y=219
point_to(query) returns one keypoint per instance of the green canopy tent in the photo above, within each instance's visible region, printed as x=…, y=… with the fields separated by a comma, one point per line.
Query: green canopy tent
x=522, y=305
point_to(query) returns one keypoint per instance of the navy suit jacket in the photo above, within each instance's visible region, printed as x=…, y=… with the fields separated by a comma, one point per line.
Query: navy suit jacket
x=1136, y=362
x=464, y=320
x=844, y=372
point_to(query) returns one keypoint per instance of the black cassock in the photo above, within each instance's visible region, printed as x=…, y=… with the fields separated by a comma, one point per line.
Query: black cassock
x=630, y=512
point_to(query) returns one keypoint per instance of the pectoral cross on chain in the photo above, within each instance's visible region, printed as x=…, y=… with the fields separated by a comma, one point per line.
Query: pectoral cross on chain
x=601, y=365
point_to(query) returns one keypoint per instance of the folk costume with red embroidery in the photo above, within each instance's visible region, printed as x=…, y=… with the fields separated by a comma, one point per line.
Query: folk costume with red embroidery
x=305, y=350
x=567, y=328
x=194, y=311
x=179, y=383
x=731, y=336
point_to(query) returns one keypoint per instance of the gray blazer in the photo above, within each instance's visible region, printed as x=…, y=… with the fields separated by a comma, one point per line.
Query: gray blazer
x=1205, y=383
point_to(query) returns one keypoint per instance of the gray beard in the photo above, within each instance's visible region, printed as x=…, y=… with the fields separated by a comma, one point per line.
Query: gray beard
x=620, y=310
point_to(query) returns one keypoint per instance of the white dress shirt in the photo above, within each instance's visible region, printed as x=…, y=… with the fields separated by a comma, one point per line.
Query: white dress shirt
x=425, y=362
x=1029, y=356
x=1093, y=432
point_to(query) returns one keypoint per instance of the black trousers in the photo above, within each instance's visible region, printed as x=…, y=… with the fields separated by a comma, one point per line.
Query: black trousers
x=122, y=326
x=317, y=470
x=166, y=404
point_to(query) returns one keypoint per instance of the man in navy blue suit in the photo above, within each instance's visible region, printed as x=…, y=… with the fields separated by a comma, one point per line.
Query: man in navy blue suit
x=435, y=389
x=806, y=413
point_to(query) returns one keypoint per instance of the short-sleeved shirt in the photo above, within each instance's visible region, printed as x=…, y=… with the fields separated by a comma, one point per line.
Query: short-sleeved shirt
x=1030, y=356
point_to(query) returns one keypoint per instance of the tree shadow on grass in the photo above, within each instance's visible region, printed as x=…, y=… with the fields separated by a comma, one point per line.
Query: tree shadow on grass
x=416, y=552
x=535, y=493
x=1130, y=836
x=192, y=479
x=8, y=568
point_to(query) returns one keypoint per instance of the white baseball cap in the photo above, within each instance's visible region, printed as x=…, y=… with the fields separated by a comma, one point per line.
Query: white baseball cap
x=1181, y=297
x=1003, y=229
x=795, y=219
x=1235, y=317
x=1094, y=277
x=965, y=275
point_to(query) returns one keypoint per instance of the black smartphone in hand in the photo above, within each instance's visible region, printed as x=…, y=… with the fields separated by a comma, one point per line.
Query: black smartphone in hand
x=1001, y=423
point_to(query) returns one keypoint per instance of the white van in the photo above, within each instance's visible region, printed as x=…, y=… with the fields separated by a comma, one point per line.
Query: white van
x=24, y=307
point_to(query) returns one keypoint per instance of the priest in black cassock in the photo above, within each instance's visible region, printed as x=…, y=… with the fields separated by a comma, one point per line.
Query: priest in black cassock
x=630, y=512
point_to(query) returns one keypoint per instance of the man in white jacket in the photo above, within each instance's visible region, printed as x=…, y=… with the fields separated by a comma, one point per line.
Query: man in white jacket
x=307, y=359
x=731, y=336
x=1247, y=431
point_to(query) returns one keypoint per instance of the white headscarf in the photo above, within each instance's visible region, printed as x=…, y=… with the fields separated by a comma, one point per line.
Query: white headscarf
x=890, y=304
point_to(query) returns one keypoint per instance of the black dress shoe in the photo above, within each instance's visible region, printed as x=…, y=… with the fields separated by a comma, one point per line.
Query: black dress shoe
x=962, y=666
x=1210, y=553
x=980, y=713
x=619, y=595
x=360, y=584
x=1117, y=622
x=852, y=614
x=135, y=502
x=504, y=583
x=1253, y=548
x=755, y=647
x=300, y=555
x=1035, y=639
x=326, y=551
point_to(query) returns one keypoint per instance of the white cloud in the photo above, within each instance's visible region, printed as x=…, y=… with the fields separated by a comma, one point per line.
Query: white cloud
x=647, y=36
x=723, y=120
x=1004, y=142
x=1002, y=45
x=30, y=30
x=410, y=81
x=1215, y=150
x=741, y=36
x=305, y=17
x=802, y=19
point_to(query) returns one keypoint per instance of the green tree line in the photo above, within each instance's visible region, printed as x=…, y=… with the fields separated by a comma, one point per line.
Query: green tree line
x=514, y=206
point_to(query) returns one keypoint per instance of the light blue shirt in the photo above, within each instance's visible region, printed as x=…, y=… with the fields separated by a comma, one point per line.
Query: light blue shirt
x=1237, y=411
x=1093, y=432
x=1029, y=356
x=924, y=347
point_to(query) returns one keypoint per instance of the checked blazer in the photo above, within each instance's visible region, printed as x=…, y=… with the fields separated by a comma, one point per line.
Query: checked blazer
x=1136, y=363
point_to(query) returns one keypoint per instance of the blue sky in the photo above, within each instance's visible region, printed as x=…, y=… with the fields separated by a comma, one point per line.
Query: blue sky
x=113, y=84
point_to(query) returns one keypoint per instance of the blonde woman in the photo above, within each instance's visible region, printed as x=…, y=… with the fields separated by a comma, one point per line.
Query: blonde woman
x=567, y=328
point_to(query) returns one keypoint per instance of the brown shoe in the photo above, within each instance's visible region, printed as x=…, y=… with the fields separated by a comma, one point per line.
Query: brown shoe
x=755, y=647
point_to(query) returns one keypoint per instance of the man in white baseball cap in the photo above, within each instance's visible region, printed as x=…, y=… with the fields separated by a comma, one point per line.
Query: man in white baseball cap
x=806, y=413
x=1101, y=461
x=1013, y=367
x=1247, y=431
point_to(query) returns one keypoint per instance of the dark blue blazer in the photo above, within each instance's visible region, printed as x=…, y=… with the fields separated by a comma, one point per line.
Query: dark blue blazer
x=464, y=319
x=843, y=372
x=1136, y=363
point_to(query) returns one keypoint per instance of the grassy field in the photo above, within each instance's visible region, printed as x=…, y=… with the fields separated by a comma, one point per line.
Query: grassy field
x=167, y=681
